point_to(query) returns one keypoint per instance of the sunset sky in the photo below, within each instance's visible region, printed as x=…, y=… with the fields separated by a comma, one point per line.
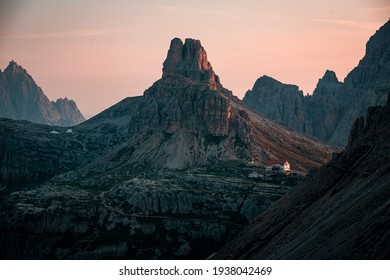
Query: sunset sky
x=99, y=52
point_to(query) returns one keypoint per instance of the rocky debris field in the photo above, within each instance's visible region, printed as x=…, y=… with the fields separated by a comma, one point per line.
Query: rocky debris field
x=175, y=215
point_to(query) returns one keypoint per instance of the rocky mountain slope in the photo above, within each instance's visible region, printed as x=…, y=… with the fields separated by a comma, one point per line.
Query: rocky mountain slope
x=340, y=212
x=22, y=99
x=328, y=114
x=163, y=175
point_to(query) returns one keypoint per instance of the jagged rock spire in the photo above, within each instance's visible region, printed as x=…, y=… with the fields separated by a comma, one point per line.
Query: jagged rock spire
x=13, y=67
x=189, y=60
x=22, y=98
x=330, y=77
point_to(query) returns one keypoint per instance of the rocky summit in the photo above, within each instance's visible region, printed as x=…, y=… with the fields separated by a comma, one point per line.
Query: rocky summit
x=22, y=99
x=287, y=102
x=329, y=113
x=189, y=60
x=172, y=174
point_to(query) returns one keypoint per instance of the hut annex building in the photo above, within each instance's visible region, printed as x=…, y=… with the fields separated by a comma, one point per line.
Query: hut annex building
x=277, y=165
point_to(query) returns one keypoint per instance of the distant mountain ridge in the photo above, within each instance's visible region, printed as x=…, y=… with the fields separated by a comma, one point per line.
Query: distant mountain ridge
x=328, y=114
x=22, y=99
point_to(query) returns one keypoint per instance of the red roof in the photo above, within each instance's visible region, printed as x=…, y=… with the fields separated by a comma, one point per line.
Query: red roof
x=275, y=161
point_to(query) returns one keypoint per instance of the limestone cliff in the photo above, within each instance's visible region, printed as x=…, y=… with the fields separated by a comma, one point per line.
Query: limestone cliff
x=328, y=114
x=189, y=60
x=286, y=102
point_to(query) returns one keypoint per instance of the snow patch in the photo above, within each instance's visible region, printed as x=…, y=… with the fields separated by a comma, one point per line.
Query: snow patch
x=54, y=132
x=69, y=130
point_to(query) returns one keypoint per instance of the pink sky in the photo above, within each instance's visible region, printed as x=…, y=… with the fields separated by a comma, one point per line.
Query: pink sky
x=99, y=52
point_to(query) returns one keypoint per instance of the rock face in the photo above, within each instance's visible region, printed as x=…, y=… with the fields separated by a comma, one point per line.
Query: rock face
x=159, y=176
x=329, y=113
x=67, y=109
x=176, y=216
x=190, y=61
x=341, y=212
x=22, y=99
x=34, y=153
x=373, y=70
x=287, y=102
x=137, y=218
x=325, y=108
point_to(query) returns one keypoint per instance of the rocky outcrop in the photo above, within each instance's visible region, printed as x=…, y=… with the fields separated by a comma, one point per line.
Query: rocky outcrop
x=31, y=153
x=22, y=99
x=315, y=115
x=188, y=106
x=340, y=212
x=375, y=119
x=190, y=61
x=326, y=107
x=330, y=112
x=283, y=103
x=67, y=109
x=373, y=70
x=327, y=85
x=367, y=84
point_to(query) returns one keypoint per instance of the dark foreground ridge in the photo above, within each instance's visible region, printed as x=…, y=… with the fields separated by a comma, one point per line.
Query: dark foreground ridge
x=340, y=212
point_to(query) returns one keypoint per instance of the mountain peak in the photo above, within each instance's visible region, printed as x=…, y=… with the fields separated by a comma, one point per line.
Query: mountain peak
x=376, y=60
x=275, y=86
x=13, y=67
x=24, y=99
x=330, y=77
x=267, y=79
x=189, y=60
x=328, y=85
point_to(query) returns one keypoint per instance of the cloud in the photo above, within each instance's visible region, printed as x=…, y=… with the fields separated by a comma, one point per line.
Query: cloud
x=351, y=23
x=376, y=5
x=64, y=34
x=177, y=9
x=382, y=8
